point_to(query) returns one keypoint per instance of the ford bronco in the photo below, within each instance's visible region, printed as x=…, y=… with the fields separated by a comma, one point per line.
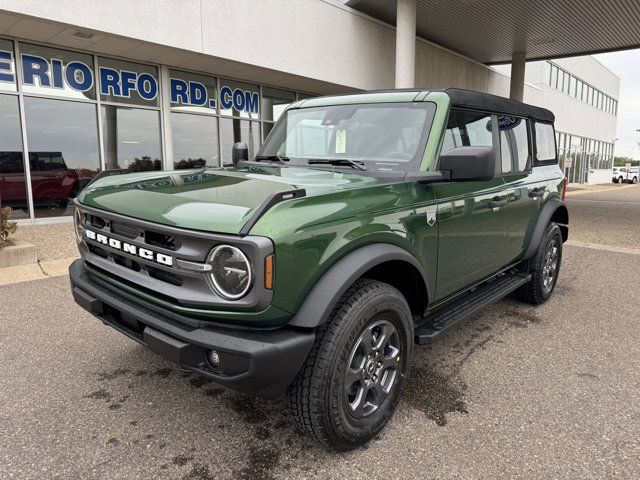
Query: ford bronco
x=366, y=223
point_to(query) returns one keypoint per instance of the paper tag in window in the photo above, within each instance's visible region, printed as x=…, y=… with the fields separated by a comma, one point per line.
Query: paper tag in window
x=341, y=141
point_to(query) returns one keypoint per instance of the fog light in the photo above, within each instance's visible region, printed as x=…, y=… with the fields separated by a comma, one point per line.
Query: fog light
x=214, y=358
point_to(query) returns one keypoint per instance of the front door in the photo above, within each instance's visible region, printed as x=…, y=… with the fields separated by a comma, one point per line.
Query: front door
x=470, y=214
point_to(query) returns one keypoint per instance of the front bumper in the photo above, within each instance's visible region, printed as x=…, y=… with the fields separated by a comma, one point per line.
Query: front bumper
x=258, y=362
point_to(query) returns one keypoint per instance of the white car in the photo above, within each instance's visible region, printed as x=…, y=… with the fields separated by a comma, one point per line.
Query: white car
x=625, y=175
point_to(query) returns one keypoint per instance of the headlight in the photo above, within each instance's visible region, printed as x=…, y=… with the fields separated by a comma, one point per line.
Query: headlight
x=77, y=224
x=231, y=274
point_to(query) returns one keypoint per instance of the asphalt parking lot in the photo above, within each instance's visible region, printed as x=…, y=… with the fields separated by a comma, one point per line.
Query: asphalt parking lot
x=515, y=392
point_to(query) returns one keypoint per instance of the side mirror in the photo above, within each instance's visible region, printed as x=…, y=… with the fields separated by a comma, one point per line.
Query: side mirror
x=239, y=153
x=469, y=163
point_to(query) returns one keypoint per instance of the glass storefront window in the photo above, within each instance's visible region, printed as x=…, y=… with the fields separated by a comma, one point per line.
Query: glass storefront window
x=62, y=90
x=189, y=92
x=7, y=67
x=128, y=82
x=13, y=187
x=131, y=138
x=274, y=102
x=195, y=140
x=239, y=99
x=57, y=73
x=234, y=130
x=63, y=152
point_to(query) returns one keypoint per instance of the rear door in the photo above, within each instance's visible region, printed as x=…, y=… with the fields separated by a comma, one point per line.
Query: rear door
x=470, y=217
x=525, y=186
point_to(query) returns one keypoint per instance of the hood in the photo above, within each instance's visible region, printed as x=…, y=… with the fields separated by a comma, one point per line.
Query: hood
x=214, y=200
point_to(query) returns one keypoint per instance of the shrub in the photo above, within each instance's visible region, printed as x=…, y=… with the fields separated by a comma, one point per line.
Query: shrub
x=6, y=227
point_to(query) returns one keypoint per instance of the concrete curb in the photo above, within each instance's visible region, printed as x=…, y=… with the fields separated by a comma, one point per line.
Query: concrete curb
x=35, y=271
x=18, y=253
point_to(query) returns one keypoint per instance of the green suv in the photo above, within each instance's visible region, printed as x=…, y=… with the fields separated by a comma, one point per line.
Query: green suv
x=366, y=223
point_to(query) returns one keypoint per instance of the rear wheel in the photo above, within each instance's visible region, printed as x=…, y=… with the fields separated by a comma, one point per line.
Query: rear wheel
x=544, y=267
x=351, y=382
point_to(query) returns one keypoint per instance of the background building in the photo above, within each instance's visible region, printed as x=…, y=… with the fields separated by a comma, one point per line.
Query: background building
x=91, y=85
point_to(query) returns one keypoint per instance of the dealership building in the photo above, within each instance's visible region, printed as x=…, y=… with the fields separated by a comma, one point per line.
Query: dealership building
x=87, y=86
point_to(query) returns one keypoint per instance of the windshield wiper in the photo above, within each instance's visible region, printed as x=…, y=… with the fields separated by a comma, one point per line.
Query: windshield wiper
x=337, y=161
x=273, y=158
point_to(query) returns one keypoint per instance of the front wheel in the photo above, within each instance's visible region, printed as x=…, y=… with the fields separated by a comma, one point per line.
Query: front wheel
x=635, y=180
x=351, y=382
x=620, y=180
x=544, y=267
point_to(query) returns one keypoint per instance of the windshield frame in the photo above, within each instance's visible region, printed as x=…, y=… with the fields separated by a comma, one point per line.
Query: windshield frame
x=372, y=165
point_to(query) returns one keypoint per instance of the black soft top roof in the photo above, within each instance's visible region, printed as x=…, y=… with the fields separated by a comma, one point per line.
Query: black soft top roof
x=494, y=103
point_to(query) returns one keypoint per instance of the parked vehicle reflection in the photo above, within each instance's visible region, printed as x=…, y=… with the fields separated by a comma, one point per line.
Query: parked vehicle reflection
x=53, y=183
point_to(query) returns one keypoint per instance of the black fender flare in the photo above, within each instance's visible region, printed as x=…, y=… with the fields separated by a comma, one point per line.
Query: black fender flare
x=550, y=207
x=324, y=295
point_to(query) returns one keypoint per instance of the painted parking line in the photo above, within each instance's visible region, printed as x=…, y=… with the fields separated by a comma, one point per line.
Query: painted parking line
x=571, y=193
x=607, y=248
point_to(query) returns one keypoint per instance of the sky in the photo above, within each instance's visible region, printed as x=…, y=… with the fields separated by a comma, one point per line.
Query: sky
x=626, y=65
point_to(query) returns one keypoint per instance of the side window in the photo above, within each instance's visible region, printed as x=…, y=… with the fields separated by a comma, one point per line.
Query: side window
x=466, y=128
x=505, y=152
x=514, y=143
x=545, y=142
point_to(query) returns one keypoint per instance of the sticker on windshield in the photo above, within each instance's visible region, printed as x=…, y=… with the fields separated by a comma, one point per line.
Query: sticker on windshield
x=341, y=141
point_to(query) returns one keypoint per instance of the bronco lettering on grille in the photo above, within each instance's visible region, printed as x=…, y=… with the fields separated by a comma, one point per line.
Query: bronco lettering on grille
x=130, y=249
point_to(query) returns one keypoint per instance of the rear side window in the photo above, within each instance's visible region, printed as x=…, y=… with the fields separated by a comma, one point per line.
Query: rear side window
x=545, y=142
x=514, y=143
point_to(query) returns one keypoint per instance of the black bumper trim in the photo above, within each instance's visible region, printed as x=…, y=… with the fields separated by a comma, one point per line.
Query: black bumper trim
x=258, y=362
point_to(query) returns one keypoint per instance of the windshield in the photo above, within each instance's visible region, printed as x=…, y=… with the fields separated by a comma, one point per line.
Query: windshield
x=382, y=136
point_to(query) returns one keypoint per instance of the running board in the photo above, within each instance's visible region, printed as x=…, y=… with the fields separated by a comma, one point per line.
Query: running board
x=436, y=322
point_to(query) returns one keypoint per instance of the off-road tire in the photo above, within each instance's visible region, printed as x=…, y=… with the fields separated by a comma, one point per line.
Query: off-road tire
x=316, y=396
x=534, y=292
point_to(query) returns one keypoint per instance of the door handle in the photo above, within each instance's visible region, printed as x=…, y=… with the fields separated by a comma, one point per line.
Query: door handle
x=536, y=192
x=496, y=204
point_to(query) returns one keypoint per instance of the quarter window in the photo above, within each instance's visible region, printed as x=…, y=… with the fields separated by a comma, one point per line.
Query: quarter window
x=545, y=142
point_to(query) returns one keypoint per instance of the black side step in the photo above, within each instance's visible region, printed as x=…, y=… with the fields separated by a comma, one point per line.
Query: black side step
x=434, y=323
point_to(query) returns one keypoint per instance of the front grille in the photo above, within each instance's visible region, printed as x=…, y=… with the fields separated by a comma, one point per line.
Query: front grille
x=126, y=231
x=136, y=286
x=160, y=240
x=96, y=222
x=126, y=262
x=118, y=254
x=101, y=252
x=164, y=276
